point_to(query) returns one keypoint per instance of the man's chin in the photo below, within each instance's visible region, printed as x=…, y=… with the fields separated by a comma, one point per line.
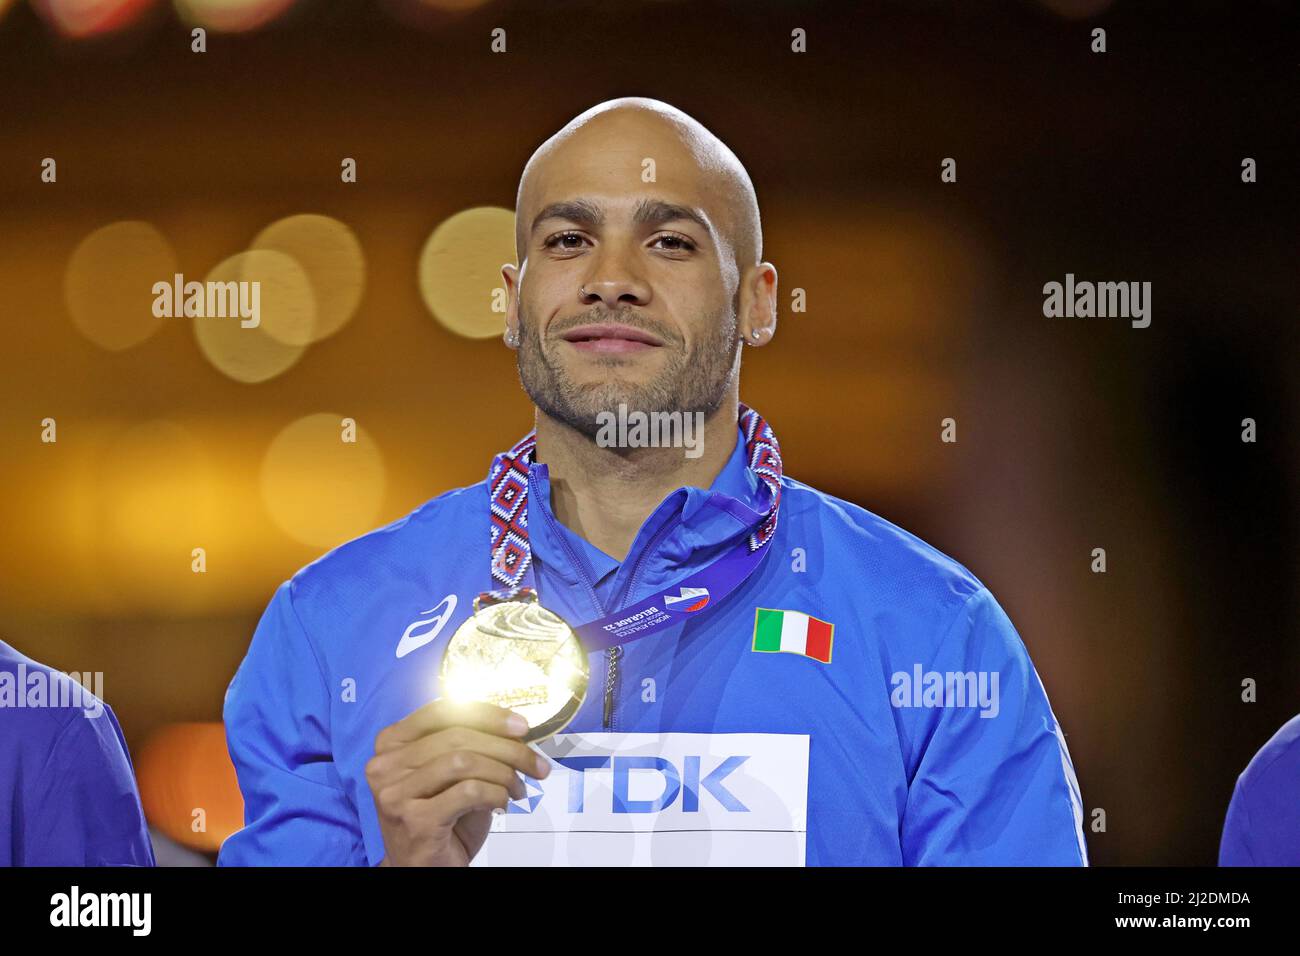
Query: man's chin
x=606, y=391
x=594, y=372
x=588, y=413
x=608, y=404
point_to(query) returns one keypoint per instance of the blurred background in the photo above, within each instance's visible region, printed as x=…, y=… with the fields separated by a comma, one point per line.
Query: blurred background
x=924, y=302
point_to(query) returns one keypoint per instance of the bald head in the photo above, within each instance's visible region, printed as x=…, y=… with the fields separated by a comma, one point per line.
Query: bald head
x=638, y=278
x=620, y=135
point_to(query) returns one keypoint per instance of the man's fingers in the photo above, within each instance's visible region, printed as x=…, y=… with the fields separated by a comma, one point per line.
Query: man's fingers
x=417, y=753
x=443, y=713
x=447, y=770
x=453, y=803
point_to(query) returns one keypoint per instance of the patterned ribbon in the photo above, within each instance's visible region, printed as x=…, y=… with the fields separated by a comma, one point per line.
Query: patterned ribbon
x=508, y=492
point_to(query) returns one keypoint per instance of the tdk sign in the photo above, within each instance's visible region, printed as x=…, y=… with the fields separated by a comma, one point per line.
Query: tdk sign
x=659, y=799
x=686, y=783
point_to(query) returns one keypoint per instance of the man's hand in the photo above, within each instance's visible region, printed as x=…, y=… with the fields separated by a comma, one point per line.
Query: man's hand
x=438, y=773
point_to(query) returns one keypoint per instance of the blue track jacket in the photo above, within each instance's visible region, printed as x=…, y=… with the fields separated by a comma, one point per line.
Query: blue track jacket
x=900, y=772
x=1263, y=823
x=68, y=795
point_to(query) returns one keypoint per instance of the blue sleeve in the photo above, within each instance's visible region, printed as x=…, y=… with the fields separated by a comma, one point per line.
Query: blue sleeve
x=296, y=810
x=1234, y=847
x=1263, y=823
x=994, y=784
x=85, y=807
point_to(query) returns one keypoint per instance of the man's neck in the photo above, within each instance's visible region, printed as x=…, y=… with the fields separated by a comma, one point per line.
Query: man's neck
x=605, y=494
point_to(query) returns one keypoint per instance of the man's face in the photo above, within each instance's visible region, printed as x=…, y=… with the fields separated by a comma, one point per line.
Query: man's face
x=604, y=249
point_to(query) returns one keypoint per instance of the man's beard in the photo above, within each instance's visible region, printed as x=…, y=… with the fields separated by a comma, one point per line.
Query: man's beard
x=691, y=381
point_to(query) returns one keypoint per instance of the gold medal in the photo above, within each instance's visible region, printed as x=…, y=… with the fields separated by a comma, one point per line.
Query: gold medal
x=518, y=655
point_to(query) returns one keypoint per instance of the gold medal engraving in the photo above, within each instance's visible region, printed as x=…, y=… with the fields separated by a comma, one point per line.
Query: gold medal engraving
x=518, y=655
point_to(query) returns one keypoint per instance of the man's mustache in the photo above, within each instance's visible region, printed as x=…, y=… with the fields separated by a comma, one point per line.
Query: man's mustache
x=603, y=317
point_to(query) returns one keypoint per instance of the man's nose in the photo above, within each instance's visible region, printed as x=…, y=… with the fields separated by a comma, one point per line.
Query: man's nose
x=613, y=282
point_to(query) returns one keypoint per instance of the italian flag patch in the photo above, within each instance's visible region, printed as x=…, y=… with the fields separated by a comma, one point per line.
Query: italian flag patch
x=792, y=632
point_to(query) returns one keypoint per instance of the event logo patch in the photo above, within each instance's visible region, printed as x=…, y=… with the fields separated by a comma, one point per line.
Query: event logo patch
x=687, y=600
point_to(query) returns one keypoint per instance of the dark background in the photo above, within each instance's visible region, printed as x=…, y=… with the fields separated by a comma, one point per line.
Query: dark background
x=925, y=302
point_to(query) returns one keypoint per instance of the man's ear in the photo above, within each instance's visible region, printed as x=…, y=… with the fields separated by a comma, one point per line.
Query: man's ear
x=758, y=304
x=510, y=275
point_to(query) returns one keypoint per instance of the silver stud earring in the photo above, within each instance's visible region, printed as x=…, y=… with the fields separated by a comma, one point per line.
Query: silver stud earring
x=756, y=335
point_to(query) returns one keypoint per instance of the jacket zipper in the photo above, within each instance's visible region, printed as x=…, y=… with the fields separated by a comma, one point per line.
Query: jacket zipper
x=615, y=653
x=612, y=654
x=611, y=660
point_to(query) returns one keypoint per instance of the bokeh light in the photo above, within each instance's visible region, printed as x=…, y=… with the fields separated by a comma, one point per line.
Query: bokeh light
x=286, y=318
x=330, y=254
x=184, y=768
x=157, y=497
x=318, y=488
x=79, y=19
x=105, y=522
x=230, y=16
x=108, y=283
x=460, y=268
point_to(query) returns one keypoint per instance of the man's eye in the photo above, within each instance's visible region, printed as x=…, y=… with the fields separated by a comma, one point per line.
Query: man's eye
x=558, y=240
x=677, y=243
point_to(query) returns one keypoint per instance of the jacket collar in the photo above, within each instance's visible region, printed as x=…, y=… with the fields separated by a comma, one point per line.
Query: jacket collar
x=689, y=528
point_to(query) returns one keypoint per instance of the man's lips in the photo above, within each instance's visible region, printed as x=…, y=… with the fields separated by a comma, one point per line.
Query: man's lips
x=610, y=339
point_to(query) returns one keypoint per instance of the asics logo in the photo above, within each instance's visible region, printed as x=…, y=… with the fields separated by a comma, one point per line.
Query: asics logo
x=427, y=628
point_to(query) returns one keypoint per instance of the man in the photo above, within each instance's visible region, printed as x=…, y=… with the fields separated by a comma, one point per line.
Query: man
x=765, y=714
x=1263, y=823
x=67, y=791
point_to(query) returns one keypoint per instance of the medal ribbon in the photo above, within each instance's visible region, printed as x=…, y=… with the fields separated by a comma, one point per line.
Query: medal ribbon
x=512, y=555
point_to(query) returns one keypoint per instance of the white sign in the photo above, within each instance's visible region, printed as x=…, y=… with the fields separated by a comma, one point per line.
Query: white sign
x=659, y=800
